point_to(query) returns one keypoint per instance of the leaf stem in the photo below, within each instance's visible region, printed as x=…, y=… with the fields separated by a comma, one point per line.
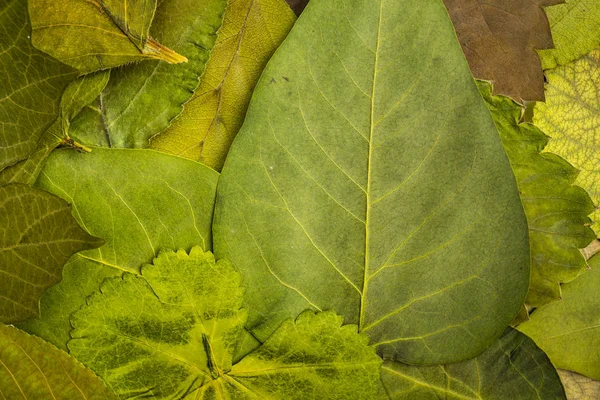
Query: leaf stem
x=156, y=50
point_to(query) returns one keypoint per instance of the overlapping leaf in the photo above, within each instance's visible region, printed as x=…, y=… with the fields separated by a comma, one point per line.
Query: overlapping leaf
x=297, y=5
x=95, y=35
x=31, y=84
x=34, y=369
x=376, y=186
x=499, y=39
x=579, y=387
x=141, y=100
x=571, y=117
x=556, y=210
x=513, y=368
x=569, y=330
x=38, y=234
x=138, y=201
x=251, y=31
x=575, y=30
x=171, y=334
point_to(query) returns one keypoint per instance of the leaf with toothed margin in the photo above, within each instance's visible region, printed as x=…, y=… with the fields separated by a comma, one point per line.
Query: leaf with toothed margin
x=171, y=332
x=138, y=201
x=512, y=368
x=34, y=369
x=376, y=186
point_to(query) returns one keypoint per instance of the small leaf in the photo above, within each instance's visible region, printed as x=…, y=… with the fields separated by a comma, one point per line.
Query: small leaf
x=579, y=387
x=252, y=30
x=79, y=94
x=138, y=201
x=142, y=99
x=376, y=186
x=37, y=236
x=570, y=117
x=171, y=334
x=34, y=369
x=556, y=210
x=97, y=34
x=499, y=39
x=513, y=368
x=31, y=84
x=569, y=330
x=575, y=30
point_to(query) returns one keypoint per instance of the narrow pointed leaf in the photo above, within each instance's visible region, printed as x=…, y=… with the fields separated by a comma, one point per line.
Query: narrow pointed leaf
x=138, y=201
x=376, y=186
x=500, y=39
x=570, y=117
x=38, y=234
x=575, y=30
x=556, y=210
x=34, y=369
x=252, y=30
x=569, y=330
x=31, y=84
x=512, y=368
x=97, y=34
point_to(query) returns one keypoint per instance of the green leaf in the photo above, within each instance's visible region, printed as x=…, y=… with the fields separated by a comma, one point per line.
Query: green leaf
x=141, y=100
x=252, y=30
x=34, y=369
x=31, y=84
x=556, y=210
x=376, y=186
x=138, y=201
x=579, y=387
x=38, y=234
x=171, y=334
x=513, y=368
x=569, y=330
x=575, y=30
x=79, y=94
x=97, y=34
x=500, y=39
x=570, y=117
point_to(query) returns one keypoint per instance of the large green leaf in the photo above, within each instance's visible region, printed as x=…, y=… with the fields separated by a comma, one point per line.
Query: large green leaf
x=570, y=117
x=513, y=368
x=138, y=201
x=142, y=99
x=569, y=330
x=170, y=334
x=575, y=30
x=95, y=35
x=376, y=186
x=556, y=210
x=251, y=31
x=38, y=234
x=34, y=369
x=31, y=84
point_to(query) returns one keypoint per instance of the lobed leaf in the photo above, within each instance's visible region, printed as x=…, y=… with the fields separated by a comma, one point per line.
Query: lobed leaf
x=34, y=369
x=97, y=34
x=376, y=186
x=512, y=368
x=252, y=30
x=571, y=117
x=556, y=210
x=138, y=201
x=38, y=234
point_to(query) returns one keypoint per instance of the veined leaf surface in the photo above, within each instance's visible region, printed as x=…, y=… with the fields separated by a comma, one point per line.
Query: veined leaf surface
x=376, y=186
x=97, y=34
x=38, y=234
x=170, y=334
x=579, y=387
x=556, y=210
x=34, y=369
x=252, y=30
x=138, y=201
x=571, y=117
x=512, y=368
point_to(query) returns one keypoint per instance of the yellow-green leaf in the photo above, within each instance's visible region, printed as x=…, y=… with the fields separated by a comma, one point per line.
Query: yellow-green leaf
x=91, y=35
x=251, y=31
x=571, y=117
x=31, y=369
